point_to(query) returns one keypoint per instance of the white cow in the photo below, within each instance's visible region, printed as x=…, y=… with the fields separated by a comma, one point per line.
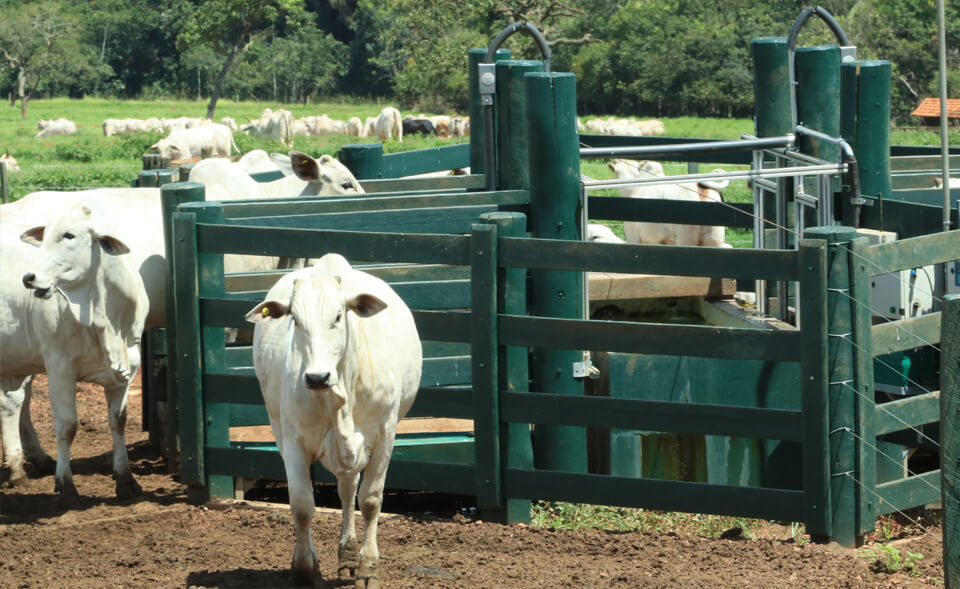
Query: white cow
x=231, y=123
x=389, y=124
x=355, y=127
x=338, y=358
x=57, y=127
x=369, y=127
x=257, y=160
x=10, y=161
x=954, y=182
x=139, y=215
x=602, y=234
x=78, y=319
x=273, y=126
x=668, y=233
x=211, y=140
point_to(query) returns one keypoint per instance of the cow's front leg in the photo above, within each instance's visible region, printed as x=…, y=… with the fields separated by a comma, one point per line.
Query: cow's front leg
x=347, y=554
x=62, y=385
x=304, y=565
x=371, y=498
x=127, y=487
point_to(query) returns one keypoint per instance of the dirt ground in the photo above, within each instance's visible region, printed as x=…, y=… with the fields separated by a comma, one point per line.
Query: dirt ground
x=166, y=538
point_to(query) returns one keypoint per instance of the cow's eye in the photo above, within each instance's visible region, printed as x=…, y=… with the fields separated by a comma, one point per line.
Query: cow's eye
x=347, y=186
x=337, y=320
x=68, y=235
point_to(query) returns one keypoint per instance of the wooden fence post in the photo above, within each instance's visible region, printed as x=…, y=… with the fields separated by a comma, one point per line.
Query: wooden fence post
x=512, y=168
x=516, y=446
x=365, y=160
x=950, y=438
x=818, y=98
x=555, y=208
x=842, y=396
x=771, y=86
x=172, y=195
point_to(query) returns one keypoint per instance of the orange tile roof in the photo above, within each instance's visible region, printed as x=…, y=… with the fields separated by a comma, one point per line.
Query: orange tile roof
x=930, y=107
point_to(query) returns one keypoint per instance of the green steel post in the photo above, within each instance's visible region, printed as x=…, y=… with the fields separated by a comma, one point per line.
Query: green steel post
x=166, y=177
x=475, y=58
x=512, y=123
x=171, y=196
x=842, y=397
x=950, y=438
x=860, y=279
x=151, y=161
x=483, y=353
x=555, y=209
x=771, y=86
x=365, y=160
x=515, y=441
x=213, y=427
x=818, y=98
x=813, y=318
x=873, y=129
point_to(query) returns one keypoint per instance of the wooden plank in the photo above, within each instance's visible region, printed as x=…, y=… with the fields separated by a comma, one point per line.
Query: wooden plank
x=651, y=338
x=905, y=334
x=671, y=211
x=466, y=182
x=907, y=413
x=240, y=209
x=606, y=286
x=483, y=326
x=754, y=502
x=356, y=246
x=906, y=219
x=426, y=220
x=443, y=326
x=813, y=326
x=669, y=260
x=443, y=402
x=662, y=416
x=950, y=439
x=742, y=157
x=439, y=372
x=914, y=252
x=422, y=161
x=913, y=491
x=922, y=162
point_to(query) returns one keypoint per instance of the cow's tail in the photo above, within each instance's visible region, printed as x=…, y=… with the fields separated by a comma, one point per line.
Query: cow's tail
x=718, y=186
x=234, y=143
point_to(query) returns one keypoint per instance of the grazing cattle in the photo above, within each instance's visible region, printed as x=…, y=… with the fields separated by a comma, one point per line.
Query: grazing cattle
x=338, y=358
x=230, y=123
x=211, y=140
x=668, y=233
x=355, y=127
x=139, y=215
x=276, y=126
x=9, y=161
x=57, y=127
x=418, y=126
x=389, y=124
x=650, y=127
x=370, y=127
x=441, y=125
x=602, y=234
x=78, y=319
x=113, y=127
x=256, y=161
x=954, y=182
x=460, y=126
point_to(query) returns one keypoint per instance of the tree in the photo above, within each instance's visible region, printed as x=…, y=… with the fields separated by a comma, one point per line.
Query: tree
x=229, y=26
x=38, y=41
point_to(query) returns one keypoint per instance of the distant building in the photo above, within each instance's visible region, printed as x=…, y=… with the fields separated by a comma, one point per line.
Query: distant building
x=929, y=111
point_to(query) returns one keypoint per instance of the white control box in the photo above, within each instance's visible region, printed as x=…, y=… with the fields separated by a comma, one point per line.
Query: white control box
x=953, y=277
x=899, y=295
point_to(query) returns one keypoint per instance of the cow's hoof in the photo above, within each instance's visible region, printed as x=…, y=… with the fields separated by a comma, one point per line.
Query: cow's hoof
x=67, y=494
x=128, y=487
x=305, y=576
x=348, y=559
x=367, y=583
x=43, y=464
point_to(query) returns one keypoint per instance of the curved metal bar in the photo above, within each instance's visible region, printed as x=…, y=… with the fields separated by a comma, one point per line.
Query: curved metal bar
x=805, y=15
x=489, y=150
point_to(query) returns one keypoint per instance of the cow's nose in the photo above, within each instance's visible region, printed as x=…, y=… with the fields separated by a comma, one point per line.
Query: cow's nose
x=28, y=279
x=317, y=380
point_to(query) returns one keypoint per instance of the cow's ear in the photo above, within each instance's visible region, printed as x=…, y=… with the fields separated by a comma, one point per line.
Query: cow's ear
x=112, y=245
x=304, y=166
x=365, y=305
x=154, y=147
x=272, y=309
x=33, y=236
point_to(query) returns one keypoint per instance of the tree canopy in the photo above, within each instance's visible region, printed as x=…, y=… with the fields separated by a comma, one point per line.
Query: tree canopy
x=641, y=57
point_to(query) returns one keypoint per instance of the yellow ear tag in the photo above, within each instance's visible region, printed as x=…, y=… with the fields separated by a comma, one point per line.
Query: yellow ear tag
x=266, y=311
x=304, y=162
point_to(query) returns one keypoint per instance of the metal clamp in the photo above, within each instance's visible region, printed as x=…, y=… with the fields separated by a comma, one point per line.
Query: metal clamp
x=487, y=82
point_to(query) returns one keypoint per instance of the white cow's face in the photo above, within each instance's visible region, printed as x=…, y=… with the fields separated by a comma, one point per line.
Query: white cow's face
x=635, y=169
x=318, y=311
x=69, y=248
x=327, y=176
